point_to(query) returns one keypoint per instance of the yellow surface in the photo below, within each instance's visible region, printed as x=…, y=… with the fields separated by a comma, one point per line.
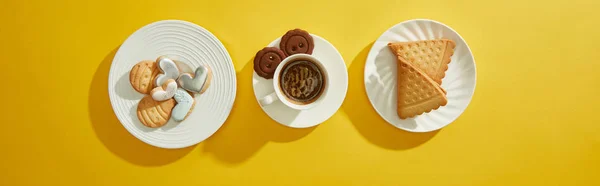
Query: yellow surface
x=533, y=119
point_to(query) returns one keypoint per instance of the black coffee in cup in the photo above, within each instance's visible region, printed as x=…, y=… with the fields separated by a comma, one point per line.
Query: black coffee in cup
x=302, y=81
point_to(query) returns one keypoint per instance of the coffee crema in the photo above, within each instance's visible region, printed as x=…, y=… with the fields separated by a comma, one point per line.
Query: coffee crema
x=302, y=81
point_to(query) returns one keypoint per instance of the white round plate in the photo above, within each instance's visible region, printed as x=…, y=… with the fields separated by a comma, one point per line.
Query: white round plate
x=335, y=66
x=380, y=76
x=193, y=46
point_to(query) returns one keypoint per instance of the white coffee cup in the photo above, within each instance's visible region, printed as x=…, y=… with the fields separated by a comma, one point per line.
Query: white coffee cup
x=278, y=95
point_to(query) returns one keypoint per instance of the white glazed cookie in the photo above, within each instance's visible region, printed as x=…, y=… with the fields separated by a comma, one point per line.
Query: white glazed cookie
x=168, y=70
x=164, y=92
x=199, y=82
x=185, y=102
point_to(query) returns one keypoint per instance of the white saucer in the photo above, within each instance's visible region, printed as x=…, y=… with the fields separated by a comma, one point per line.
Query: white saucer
x=334, y=63
x=380, y=76
x=193, y=46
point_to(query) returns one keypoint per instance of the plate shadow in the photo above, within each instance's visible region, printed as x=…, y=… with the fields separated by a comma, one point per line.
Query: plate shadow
x=368, y=123
x=112, y=134
x=248, y=128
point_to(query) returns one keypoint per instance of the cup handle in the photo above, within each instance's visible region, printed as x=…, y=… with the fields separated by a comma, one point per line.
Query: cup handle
x=269, y=99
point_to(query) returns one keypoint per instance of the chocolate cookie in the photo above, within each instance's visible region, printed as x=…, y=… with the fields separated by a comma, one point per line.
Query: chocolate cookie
x=297, y=41
x=267, y=60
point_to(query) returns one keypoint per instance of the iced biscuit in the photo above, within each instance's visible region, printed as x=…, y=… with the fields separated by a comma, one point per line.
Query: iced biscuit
x=154, y=113
x=164, y=92
x=267, y=60
x=430, y=56
x=185, y=104
x=208, y=80
x=142, y=76
x=297, y=41
x=197, y=83
x=168, y=70
x=417, y=93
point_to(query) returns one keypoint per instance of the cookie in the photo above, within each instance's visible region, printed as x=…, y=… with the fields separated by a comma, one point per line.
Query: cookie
x=164, y=92
x=267, y=60
x=208, y=80
x=297, y=41
x=168, y=70
x=197, y=83
x=185, y=103
x=142, y=76
x=193, y=105
x=154, y=113
x=430, y=56
x=417, y=93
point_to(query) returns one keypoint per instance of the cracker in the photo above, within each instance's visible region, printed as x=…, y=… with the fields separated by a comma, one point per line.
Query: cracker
x=430, y=56
x=417, y=93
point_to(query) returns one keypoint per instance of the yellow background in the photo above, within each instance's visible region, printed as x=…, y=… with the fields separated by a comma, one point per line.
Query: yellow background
x=533, y=119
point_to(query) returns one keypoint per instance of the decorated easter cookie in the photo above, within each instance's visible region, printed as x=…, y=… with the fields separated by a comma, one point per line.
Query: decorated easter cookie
x=142, y=75
x=164, y=92
x=154, y=113
x=199, y=82
x=185, y=102
x=168, y=70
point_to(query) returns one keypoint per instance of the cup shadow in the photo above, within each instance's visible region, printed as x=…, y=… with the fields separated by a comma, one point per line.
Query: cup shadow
x=248, y=128
x=112, y=134
x=368, y=123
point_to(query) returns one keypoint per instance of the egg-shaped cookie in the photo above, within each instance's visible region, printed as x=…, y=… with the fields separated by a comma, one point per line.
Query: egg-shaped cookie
x=154, y=113
x=142, y=76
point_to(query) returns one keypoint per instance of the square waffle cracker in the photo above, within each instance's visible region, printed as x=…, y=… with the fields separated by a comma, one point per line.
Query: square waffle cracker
x=430, y=56
x=417, y=93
